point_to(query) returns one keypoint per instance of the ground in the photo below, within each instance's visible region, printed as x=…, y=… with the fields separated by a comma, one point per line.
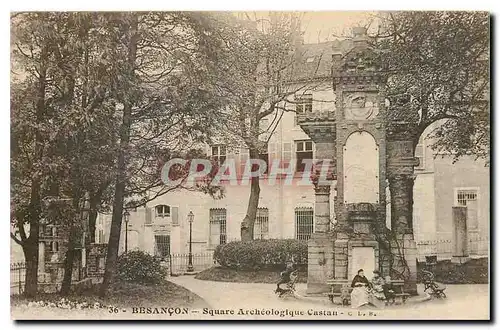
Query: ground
x=224, y=295
x=465, y=301
x=123, y=297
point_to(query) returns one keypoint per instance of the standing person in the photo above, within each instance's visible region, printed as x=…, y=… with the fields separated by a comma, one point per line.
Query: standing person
x=360, y=292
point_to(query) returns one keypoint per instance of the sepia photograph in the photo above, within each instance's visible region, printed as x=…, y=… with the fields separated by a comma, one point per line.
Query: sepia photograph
x=237, y=165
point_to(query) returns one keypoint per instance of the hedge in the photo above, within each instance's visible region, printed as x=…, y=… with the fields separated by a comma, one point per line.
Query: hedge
x=270, y=254
x=141, y=268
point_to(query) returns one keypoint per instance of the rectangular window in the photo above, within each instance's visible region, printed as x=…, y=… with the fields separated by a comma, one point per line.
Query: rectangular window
x=304, y=150
x=261, y=226
x=304, y=223
x=219, y=153
x=162, y=245
x=162, y=211
x=217, y=227
x=468, y=198
x=303, y=104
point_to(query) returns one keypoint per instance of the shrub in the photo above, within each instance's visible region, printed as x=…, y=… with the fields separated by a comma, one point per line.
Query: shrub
x=270, y=254
x=140, y=267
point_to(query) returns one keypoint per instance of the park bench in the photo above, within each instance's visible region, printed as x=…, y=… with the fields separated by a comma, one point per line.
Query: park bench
x=400, y=296
x=342, y=288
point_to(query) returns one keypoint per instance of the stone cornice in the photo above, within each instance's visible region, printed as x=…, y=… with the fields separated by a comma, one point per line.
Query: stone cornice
x=358, y=77
x=320, y=126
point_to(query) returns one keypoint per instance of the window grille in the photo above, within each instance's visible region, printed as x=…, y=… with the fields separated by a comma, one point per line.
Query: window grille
x=468, y=198
x=162, y=245
x=304, y=223
x=464, y=196
x=217, y=227
x=261, y=226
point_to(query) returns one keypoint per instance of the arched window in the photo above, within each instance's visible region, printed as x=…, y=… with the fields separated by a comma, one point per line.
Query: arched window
x=162, y=211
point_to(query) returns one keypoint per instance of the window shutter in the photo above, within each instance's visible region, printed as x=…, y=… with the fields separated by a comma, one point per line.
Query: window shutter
x=175, y=215
x=149, y=215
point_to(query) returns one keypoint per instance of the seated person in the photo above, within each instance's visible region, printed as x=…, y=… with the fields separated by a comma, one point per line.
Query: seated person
x=360, y=291
x=377, y=290
x=377, y=285
x=285, y=275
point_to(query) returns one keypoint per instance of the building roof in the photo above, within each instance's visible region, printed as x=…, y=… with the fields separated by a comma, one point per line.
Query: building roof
x=316, y=60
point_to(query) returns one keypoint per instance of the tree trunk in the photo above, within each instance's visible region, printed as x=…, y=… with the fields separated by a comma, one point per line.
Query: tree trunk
x=31, y=256
x=116, y=220
x=247, y=225
x=69, y=261
x=30, y=247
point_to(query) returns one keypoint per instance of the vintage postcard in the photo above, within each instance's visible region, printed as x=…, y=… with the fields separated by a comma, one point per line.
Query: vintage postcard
x=250, y=165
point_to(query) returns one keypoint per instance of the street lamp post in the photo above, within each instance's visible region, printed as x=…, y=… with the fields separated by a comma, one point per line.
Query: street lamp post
x=190, y=267
x=126, y=218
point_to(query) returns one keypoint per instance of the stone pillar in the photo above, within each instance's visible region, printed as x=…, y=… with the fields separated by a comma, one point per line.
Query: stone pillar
x=322, y=209
x=401, y=191
x=460, y=249
x=320, y=246
x=407, y=249
x=320, y=263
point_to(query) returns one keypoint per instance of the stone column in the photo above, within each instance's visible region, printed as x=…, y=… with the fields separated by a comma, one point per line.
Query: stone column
x=401, y=189
x=322, y=209
x=460, y=250
x=400, y=174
